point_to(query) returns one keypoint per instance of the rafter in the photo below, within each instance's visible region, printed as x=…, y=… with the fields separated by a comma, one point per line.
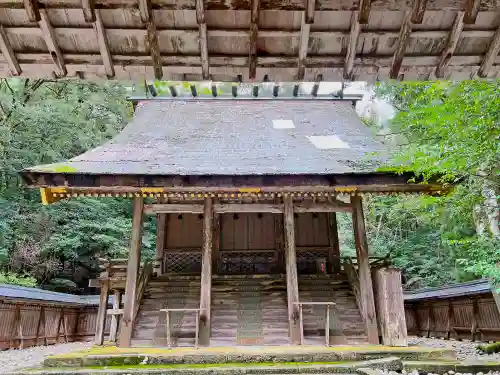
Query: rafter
x=418, y=11
x=8, y=53
x=254, y=34
x=471, y=11
x=304, y=41
x=351, y=47
x=490, y=56
x=103, y=45
x=51, y=41
x=203, y=39
x=147, y=16
x=364, y=11
x=88, y=10
x=451, y=44
x=404, y=38
x=31, y=7
x=310, y=8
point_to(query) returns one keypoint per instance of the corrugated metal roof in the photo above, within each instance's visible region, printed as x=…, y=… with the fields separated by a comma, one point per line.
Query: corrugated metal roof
x=34, y=294
x=454, y=290
x=234, y=137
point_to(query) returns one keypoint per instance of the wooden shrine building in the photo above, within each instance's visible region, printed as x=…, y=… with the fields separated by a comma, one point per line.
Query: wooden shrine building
x=245, y=194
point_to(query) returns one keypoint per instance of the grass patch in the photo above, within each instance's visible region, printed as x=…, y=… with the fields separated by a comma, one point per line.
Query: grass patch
x=489, y=348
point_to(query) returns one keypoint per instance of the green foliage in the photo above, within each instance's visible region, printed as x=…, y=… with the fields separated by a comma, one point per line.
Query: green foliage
x=49, y=122
x=489, y=348
x=15, y=279
x=448, y=132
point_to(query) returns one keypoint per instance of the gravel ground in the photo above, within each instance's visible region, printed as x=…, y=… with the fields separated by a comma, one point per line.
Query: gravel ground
x=464, y=349
x=31, y=357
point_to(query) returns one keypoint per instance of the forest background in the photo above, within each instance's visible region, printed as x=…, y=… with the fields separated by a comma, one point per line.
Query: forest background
x=445, y=129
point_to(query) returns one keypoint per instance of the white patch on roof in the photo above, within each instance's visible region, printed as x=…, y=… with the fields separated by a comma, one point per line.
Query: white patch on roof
x=326, y=142
x=283, y=124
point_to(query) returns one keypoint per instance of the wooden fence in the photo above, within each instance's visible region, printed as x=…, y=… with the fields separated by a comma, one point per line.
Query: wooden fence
x=465, y=311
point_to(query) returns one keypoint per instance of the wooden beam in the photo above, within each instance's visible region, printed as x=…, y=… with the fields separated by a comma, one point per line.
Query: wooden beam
x=113, y=328
x=333, y=239
x=390, y=307
x=333, y=206
x=254, y=34
x=474, y=323
x=127, y=321
x=364, y=11
x=223, y=208
x=161, y=231
x=490, y=56
x=31, y=7
x=206, y=273
x=145, y=10
x=147, y=17
x=365, y=278
x=51, y=41
x=216, y=241
x=451, y=45
x=310, y=8
x=352, y=46
x=8, y=53
x=471, y=11
x=102, y=40
x=173, y=208
x=292, y=288
x=304, y=42
x=203, y=39
x=451, y=319
x=418, y=11
x=101, y=314
x=88, y=10
x=403, y=40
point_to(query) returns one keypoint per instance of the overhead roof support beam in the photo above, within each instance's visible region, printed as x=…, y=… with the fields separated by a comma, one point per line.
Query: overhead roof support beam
x=471, y=11
x=202, y=26
x=51, y=41
x=304, y=41
x=8, y=53
x=31, y=7
x=102, y=40
x=254, y=34
x=311, y=7
x=364, y=11
x=403, y=40
x=351, y=47
x=147, y=17
x=490, y=56
x=418, y=11
x=451, y=45
x=88, y=10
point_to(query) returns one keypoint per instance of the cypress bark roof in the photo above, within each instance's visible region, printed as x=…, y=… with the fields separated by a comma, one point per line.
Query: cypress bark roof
x=234, y=137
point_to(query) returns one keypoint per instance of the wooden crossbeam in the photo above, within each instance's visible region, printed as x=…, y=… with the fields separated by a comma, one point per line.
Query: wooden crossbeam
x=490, y=56
x=8, y=53
x=88, y=10
x=333, y=206
x=351, y=47
x=222, y=208
x=310, y=8
x=254, y=34
x=403, y=40
x=31, y=7
x=203, y=38
x=147, y=17
x=304, y=41
x=418, y=11
x=451, y=45
x=51, y=41
x=364, y=11
x=103, y=45
x=172, y=208
x=471, y=11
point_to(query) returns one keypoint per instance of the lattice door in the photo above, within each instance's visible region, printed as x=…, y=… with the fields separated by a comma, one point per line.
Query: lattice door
x=182, y=262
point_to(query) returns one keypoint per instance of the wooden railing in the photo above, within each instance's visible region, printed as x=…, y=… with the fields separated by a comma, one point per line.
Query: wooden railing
x=142, y=282
x=327, y=319
x=197, y=324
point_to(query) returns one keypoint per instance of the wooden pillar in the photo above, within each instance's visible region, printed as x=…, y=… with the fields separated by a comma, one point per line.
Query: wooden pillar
x=134, y=260
x=333, y=237
x=216, y=241
x=292, y=287
x=390, y=307
x=161, y=230
x=206, y=273
x=365, y=278
x=101, y=314
x=113, y=329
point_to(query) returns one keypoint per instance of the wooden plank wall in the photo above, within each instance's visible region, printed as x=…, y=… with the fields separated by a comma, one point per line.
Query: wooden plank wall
x=472, y=317
x=19, y=323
